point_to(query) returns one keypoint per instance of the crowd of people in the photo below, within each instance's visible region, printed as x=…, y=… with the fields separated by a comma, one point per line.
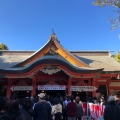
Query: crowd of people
x=41, y=107
x=44, y=107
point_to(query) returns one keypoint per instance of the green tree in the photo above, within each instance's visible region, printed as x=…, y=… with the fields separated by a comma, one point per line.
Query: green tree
x=3, y=46
x=117, y=56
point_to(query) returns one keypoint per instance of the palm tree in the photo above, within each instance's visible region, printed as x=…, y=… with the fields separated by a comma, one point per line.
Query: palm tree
x=3, y=46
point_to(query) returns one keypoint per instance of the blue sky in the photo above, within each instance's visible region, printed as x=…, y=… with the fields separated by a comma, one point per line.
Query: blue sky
x=27, y=24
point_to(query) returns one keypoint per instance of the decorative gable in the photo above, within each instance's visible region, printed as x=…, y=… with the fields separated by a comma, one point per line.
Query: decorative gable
x=53, y=47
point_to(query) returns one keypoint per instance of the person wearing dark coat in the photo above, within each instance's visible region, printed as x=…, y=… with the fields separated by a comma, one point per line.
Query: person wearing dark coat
x=117, y=98
x=3, y=104
x=13, y=112
x=79, y=112
x=71, y=109
x=111, y=112
x=27, y=109
x=42, y=109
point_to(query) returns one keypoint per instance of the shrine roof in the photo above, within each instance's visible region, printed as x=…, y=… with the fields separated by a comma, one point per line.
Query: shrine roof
x=48, y=60
x=100, y=59
x=53, y=46
x=78, y=60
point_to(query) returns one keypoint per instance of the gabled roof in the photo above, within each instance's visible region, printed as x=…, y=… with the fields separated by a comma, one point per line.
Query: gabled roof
x=44, y=61
x=95, y=59
x=53, y=47
x=52, y=53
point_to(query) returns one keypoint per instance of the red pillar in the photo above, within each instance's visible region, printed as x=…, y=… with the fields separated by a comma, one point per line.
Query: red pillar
x=34, y=86
x=94, y=84
x=108, y=87
x=8, y=89
x=69, y=84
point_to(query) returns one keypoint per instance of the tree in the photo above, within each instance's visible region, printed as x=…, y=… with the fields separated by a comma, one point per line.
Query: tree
x=3, y=46
x=115, y=22
x=117, y=56
x=115, y=3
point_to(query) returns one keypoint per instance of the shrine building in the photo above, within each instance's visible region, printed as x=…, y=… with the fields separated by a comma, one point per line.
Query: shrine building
x=53, y=69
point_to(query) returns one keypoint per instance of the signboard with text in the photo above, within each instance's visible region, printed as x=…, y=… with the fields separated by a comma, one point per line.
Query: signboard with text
x=83, y=88
x=21, y=88
x=51, y=87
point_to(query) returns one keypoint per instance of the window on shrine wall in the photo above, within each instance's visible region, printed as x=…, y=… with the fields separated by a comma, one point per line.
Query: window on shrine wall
x=102, y=90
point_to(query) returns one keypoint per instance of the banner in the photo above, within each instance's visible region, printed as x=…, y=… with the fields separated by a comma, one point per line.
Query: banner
x=83, y=88
x=21, y=88
x=95, y=111
x=51, y=87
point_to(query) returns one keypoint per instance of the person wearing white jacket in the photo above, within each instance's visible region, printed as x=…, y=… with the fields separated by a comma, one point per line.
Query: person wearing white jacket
x=57, y=110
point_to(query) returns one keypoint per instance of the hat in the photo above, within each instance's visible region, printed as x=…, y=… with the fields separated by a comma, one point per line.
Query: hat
x=41, y=95
x=111, y=98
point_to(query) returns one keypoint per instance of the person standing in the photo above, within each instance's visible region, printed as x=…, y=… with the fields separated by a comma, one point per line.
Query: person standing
x=57, y=110
x=13, y=111
x=111, y=112
x=42, y=109
x=79, y=111
x=117, y=98
x=3, y=104
x=71, y=109
x=65, y=102
x=26, y=109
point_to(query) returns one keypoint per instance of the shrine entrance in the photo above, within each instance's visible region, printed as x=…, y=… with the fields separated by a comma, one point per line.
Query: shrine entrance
x=54, y=93
x=23, y=94
x=84, y=92
x=82, y=95
x=52, y=90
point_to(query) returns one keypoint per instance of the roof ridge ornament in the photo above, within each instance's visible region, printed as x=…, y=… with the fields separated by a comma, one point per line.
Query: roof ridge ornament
x=53, y=31
x=53, y=36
